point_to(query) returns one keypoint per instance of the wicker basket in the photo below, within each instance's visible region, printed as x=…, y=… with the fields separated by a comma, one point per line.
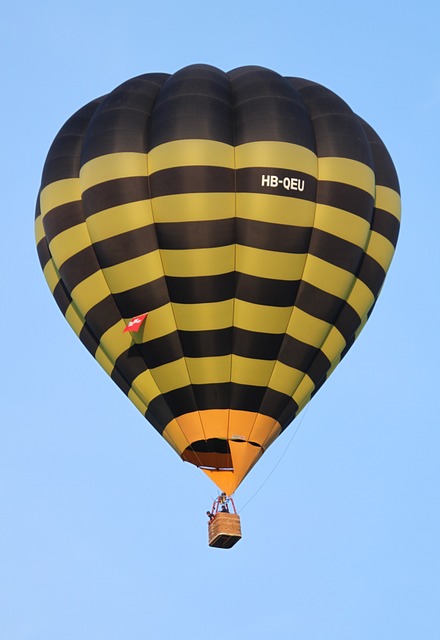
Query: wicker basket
x=224, y=530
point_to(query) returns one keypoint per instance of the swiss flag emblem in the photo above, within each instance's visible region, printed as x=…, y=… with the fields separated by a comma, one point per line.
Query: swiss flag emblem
x=136, y=323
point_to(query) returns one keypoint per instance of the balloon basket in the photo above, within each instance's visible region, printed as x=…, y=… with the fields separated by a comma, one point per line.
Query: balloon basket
x=224, y=528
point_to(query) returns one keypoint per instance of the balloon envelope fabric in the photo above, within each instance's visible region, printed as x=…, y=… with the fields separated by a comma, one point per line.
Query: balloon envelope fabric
x=253, y=217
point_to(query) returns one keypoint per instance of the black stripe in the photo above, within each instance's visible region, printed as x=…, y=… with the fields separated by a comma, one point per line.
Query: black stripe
x=172, y=405
x=346, y=197
x=268, y=107
x=207, y=179
x=149, y=355
x=317, y=388
x=192, y=179
x=347, y=322
x=192, y=117
x=217, y=233
x=383, y=165
x=252, y=344
x=89, y=340
x=126, y=246
x=159, y=413
x=196, y=235
x=62, y=297
x=43, y=252
x=205, y=344
x=273, y=237
x=201, y=179
x=79, y=267
x=303, y=357
x=222, y=396
x=176, y=345
x=60, y=168
x=194, y=103
x=279, y=406
x=38, y=207
x=336, y=251
x=329, y=308
x=258, y=180
x=101, y=317
x=114, y=193
x=122, y=121
x=61, y=218
x=201, y=289
x=338, y=130
x=146, y=297
x=63, y=159
x=372, y=274
x=265, y=291
x=348, y=346
x=348, y=256
x=387, y=225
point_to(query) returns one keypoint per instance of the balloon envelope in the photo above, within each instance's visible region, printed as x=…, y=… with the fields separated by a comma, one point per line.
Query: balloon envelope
x=252, y=217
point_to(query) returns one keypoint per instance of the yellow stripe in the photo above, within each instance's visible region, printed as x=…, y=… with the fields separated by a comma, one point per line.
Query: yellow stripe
x=209, y=370
x=307, y=328
x=333, y=344
x=256, y=317
x=138, y=403
x=328, y=277
x=361, y=298
x=112, y=222
x=134, y=273
x=160, y=322
x=388, y=200
x=303, y=393
x=183, y=153
x=103, y=359
x=144, y=388
x=112, y=167
x=69, y=242
x=283, y=155
x=333, y=366
x=59, y=193
x=115, y=341
x=51, y=274
x=251, y=371
x=285, y=379
x=74, y=318
x=347, y=171
x=342, y=224
x=198, y=262
x=380, y=249
x=89, y=292
x=206, y=316
x=248, y=371
x=38, y=229
x=189, y=207
x=269, y=264
x=277, y=209
x=170, y=376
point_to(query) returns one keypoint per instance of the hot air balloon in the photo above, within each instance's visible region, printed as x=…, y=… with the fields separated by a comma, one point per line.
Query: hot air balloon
x=243, y=223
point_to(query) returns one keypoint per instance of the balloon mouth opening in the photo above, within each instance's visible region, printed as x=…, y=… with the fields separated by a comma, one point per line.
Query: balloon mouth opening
x=213, y=453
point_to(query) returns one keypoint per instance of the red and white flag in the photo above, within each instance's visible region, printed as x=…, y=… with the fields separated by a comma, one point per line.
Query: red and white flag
x=136, y=323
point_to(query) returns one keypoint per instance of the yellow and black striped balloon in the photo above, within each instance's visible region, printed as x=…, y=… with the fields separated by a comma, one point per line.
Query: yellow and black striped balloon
x=253, y=216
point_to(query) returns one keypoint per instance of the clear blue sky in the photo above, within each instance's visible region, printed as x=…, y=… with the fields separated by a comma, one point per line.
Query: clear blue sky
x=103, y=532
